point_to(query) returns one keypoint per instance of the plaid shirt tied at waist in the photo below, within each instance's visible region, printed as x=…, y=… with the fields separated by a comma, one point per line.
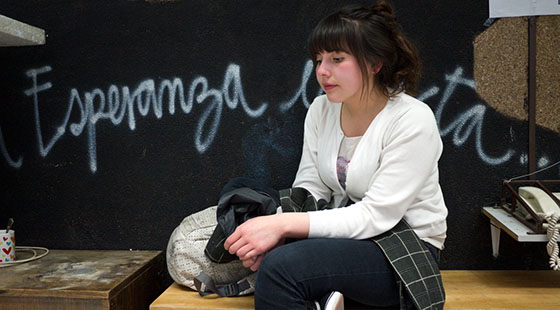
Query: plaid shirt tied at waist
x=417, y=272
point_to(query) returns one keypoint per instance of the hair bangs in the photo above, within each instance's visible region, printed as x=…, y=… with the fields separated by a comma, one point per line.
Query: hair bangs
x=332, y=34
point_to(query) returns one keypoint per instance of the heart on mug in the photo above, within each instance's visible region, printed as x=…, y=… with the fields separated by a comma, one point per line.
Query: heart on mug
x=7, y=251
x=13, y=239
x=5, y=238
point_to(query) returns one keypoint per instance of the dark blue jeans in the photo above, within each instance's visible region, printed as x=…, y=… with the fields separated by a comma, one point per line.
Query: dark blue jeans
x=306, y=270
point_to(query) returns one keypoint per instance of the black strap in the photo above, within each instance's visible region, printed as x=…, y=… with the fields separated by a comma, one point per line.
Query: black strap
x=206, y=286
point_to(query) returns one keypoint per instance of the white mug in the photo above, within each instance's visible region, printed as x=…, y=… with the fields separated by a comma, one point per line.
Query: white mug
x=7, y=246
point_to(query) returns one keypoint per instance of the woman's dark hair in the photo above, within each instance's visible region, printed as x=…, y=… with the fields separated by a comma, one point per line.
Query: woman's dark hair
x=373, y=36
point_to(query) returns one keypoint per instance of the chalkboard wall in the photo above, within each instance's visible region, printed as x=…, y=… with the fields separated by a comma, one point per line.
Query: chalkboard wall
x=136, y=113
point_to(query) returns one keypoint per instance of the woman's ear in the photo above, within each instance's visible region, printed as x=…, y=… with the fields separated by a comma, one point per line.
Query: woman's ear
x=377, y=67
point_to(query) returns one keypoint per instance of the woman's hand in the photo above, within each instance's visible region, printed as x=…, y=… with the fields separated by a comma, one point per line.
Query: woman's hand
x=254, y=262
x=254, y=238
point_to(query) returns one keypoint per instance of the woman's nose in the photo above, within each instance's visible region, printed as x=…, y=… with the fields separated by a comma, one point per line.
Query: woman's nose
x=323, y=69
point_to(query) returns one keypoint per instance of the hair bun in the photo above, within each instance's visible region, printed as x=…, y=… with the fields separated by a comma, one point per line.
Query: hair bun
x=383, y=8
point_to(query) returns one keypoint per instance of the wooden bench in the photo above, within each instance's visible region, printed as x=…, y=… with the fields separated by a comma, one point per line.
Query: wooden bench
x=465, y=289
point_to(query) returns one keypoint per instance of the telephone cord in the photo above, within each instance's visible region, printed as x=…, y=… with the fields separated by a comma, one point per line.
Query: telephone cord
x=553, y=236
x=533, y=173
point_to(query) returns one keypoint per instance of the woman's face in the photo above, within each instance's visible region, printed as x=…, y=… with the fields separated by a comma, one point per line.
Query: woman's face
x=340, y=76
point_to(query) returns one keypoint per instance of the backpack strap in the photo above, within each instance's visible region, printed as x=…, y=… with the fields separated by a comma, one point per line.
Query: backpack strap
x=206, y=286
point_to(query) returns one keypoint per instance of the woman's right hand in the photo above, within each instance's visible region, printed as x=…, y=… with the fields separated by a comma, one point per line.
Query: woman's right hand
x=253, y=239
x=253, y=263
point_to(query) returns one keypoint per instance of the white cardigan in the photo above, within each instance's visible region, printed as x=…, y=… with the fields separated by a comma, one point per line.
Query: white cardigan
x=393, y=172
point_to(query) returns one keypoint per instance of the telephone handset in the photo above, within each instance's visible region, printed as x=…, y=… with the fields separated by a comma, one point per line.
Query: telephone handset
x=539, y=201
x=547, y=209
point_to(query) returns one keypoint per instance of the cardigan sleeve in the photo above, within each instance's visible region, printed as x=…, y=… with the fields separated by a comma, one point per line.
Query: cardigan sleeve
x=407, y=166
x=308, y=175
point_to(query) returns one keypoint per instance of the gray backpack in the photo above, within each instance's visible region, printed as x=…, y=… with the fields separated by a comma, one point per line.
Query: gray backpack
x=189, y=266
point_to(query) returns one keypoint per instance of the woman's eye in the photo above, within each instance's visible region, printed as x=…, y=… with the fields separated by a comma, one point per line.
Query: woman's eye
x=338, y=59
x=318, y=61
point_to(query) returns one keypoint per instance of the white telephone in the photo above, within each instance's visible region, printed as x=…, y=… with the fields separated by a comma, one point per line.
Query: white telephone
x=547, y=209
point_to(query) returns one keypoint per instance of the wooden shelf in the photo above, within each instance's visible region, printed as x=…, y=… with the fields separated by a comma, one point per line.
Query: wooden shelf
x=512, y=226
x=501, y=220
x=15, y=33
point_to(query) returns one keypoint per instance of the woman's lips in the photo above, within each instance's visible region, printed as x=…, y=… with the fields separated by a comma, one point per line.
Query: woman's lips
x=328, y=87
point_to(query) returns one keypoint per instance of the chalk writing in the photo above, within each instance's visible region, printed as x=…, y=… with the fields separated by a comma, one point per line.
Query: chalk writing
x=543, y=162
x=6, y=155
x=95, y=105
x=302, y=91
x=464, y=124
x=472, y=119
x=117, y=102
x=523, y=159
